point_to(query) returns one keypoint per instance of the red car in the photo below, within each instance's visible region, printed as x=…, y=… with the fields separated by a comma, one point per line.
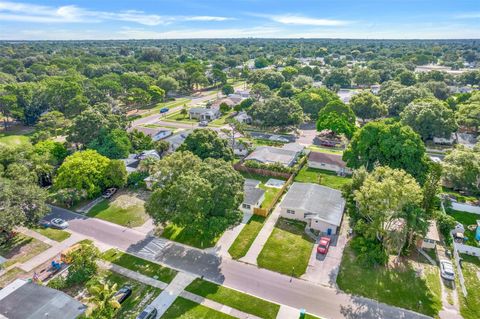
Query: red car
x=323, y=245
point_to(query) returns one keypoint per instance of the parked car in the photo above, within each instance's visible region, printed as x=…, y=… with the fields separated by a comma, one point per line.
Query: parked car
x=203, y=123
x=109, y=192
x=150, y=312
x=323, y=245
x=278, y=138
x=164, y=110
x=123, y=293
x=58, y=223
x=446, y=270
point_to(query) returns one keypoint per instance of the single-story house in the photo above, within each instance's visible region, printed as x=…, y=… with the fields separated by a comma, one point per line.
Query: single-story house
x=26, y=300
x=319, y=206
x=203, y=113
x=329, y=162
x=286, y=155
x=161, y=134
x=431, y=238
x=131, y=163
x=253, y=196
x=239, y=147
x=148, y=154
x=177, y=139
x=243, y=117
x=245, y=94
x=230, y=101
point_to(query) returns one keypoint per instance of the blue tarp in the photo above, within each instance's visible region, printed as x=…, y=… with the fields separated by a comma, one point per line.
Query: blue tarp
x=477, y=234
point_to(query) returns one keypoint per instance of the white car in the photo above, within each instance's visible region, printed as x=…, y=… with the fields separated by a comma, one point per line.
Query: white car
x=58, y=223
x=446, y=270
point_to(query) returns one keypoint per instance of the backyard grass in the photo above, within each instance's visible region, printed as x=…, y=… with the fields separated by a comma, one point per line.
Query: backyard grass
x=54, y=234
x=245, y=239
x=10, y=276
x=327, y=150
x=470, y=306
x=16, y=135
x=221, y=120
x=235, y=299
x=398, y=287
x=270, y=192
x=187, y=237
x=185, y=309
x=126, y=209
x=466, y=219
x=20, y=249
x=139, y=265
x=322, y=177
x=288, y=249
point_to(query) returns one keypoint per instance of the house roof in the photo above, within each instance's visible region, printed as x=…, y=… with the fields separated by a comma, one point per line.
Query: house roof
x=252, y=194
x=27, y=300
x=293, y=147
x=270, y=155
x=323, y=203
x=202, y=110
x=324, y=158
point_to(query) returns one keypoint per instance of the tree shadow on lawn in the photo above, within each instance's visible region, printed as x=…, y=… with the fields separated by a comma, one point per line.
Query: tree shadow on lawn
x=15, y=246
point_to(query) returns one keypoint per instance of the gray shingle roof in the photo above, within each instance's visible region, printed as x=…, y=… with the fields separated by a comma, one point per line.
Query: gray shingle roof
x=270, y=155
x=26, y=300
x=252, y=193
x=325, y=203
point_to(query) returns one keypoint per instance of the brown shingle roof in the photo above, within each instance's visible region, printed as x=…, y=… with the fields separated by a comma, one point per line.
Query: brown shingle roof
x=325, y=158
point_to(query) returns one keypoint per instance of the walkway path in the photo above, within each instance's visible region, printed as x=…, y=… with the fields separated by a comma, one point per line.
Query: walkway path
x=86, y=208
x=173, y=290
x=262, y=237
x=228, y=237
x=287, y=312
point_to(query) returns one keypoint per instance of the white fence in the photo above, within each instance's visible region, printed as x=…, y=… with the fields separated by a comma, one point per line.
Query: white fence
x=459, y=268
x=466, y=208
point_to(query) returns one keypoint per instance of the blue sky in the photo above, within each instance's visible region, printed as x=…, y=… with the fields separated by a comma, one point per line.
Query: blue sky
x=162, y=19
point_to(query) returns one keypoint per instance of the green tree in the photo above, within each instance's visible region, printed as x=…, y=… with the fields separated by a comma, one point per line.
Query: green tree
x=54, y=151
x=140, y=141
x=286, y=90
x=8, y=108
x=228, y=89
x=83, y=264
x=168, y=84
x=388, y=144
x=302, y=82
x=114, y=144
x=430, y=118
x=260, y=91
x=338, y=77
x=207, y=144
x=261, y=63
x=365, y=105
x=400, y=98
x=366, y=77
x=468, y=116
x=280, y=112
x=338, y=118
x=157, y=94
x=462, y=169
x=115, y=174
x=407, y=78
x=289, y=72
x=101, y=300
x=313, y=100
x=53, y=122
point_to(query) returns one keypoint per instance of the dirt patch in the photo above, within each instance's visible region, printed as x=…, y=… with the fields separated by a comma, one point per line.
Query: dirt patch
x=126, y=199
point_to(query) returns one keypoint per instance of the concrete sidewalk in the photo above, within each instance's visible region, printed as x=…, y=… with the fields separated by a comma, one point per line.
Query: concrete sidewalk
x=38, y=236
x=85, y=209
x=262, y=237
x=173, y=290
x=228, y=237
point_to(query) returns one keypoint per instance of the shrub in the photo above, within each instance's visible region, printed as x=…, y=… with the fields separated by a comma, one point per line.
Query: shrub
x=276, y=167
x=58, y=283
x=135, y=180
x=369, y=252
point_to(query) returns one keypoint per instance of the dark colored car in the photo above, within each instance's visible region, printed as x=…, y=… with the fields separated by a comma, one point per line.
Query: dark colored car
x=150, y=312
x=109, y=192
x=164, y=110
x=123, y=294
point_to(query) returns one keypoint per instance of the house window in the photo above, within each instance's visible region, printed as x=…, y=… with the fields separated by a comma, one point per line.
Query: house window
x=289, y=211
x=246, y=206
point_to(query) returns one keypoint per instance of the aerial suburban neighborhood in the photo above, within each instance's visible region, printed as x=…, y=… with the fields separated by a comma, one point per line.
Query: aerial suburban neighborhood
x=244, y=159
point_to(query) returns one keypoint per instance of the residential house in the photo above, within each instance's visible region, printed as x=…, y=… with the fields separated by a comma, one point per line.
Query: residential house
x=346, y=94
x=131, y=163
x=148, y=154
x=160, y=135
x=271, y=155
x=431, y=239
x=319, y=206
x=230, y=101
x=253, y=196
x=177, y=139
x=203, y=113
x=329, y=162
x=24, y=299
x=239, y=148
x=243, y=117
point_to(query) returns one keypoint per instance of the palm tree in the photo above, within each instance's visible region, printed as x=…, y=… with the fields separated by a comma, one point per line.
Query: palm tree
x=102, y=302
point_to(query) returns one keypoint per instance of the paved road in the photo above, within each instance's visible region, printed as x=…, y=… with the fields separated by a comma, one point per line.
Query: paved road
x=316, y=299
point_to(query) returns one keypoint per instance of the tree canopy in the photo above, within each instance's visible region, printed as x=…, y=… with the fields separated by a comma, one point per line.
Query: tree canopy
x=206, y=143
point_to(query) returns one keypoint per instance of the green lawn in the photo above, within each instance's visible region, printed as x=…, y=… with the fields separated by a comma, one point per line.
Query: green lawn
x=460, y=197
x=235, y=299
x=21, y=248
x=52, y=233
x=288, y=249
x=221, y=120
x=142, y=295
x=139, y=265
x=187, y=237
x=328, y=150
x=169, y=104
x=178, y=117
x=322, y=177
x=466, y=219
x=125, y=209
x=397, y=287
x=270, y=192
x=245, y=239
x=10, y=276
x=185, y=309
x=470, y=306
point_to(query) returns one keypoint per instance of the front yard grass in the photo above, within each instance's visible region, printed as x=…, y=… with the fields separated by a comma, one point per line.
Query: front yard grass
x=470, y=306
x=288, y=249
x=245, y=239
x=184, y=236
x=125, y=208
x=322, y=177
x=235, y=299
x=52, y=233
x=178, y=117
x=466, y=219
x=139, y=265
x=221, y=120
x=10, y=276
x=400, y=287
x=328, y=150
x=185, y=309
x=21, y=248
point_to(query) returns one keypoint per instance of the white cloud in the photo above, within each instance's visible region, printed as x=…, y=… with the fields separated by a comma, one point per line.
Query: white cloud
x=25, y=12
x=302, y=20
x=469, y=15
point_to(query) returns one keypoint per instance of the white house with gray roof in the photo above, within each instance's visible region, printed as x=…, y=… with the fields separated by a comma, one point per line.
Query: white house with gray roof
x=203, y=113
x=286, y=155
x=319, y=206
x=253, y=196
